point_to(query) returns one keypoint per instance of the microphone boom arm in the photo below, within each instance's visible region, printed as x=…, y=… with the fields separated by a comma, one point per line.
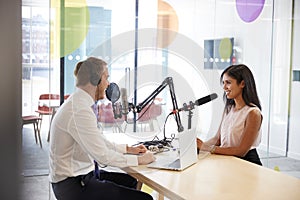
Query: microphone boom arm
x=167, y=82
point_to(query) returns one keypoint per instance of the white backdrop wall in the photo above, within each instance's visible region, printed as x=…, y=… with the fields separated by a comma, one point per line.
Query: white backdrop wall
x=280, y=77
x=294, y=128
x=263, y=45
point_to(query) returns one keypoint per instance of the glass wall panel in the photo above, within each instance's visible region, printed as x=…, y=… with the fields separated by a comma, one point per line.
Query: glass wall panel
x=294, y=117
x=35, y=54
x=146, y=41
x=164, y=40
x=80, y=28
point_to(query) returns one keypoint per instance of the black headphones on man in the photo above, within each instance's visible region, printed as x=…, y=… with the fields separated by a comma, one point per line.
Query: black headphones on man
x=95, y=78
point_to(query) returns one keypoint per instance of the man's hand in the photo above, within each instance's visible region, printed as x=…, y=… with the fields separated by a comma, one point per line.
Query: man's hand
x=136, y=149
x=146, y=158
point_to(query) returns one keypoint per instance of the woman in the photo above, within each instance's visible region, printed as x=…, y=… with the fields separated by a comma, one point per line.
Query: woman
x=239, y=133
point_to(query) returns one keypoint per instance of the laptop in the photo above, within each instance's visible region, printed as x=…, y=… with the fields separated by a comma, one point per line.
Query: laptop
x=178, y=158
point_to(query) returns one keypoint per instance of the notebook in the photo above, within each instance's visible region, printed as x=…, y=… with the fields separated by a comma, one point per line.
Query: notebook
x=181, y=157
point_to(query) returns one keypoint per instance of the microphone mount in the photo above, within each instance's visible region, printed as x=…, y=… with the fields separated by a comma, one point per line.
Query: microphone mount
x=191, y=106
x=167, y=82
x=113, y=94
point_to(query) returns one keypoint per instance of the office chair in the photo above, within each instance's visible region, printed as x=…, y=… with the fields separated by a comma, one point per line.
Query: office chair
x=106, y=118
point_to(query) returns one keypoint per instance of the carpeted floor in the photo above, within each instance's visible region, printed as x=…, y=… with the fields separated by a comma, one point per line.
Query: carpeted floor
x=35, y=159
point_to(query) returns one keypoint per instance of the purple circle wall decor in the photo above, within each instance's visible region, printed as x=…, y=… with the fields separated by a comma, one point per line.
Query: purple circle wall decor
x=249, y=10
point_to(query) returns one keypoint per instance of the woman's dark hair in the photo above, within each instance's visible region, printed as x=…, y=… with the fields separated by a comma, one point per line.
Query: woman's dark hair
x=239, y=73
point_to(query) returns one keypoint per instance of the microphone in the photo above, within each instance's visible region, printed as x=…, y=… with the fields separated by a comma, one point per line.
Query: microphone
x=113, y=94
x=198, y=102
x=117, y=110
x=206, y=99
x=124, y=100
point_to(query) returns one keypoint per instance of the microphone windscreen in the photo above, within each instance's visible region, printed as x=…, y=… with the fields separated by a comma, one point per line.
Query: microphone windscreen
x=112, y=92
x=206, y=99
x=213, y=96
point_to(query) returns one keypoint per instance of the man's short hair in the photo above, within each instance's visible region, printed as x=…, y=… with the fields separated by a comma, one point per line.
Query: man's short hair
x=89, y=70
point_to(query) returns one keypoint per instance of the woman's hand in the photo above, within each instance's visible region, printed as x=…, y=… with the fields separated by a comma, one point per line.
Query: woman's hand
x=203, y=146
x=199, y=143
x=136, y=149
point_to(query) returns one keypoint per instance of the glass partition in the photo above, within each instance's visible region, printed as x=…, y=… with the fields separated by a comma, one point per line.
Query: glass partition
x=36, y=71
x=191, y=41
x=146, y=41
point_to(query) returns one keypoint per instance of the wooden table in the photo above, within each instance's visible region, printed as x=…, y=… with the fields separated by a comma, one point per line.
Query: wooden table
x=219, y=177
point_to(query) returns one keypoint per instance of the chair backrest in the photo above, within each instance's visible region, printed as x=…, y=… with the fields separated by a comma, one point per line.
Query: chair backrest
x=149, y=113
x=44, y=100
x=66, y=96
x=49, y=97
x=106, y=114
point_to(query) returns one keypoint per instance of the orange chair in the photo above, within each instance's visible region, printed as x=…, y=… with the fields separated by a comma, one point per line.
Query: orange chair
x=66, y=96
x=106, y=118
x=43, y=106
x=33, y=119
x=148, y=115
x=52, y=110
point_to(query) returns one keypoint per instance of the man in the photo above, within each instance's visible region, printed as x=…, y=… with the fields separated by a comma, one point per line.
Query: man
x=76, y=143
